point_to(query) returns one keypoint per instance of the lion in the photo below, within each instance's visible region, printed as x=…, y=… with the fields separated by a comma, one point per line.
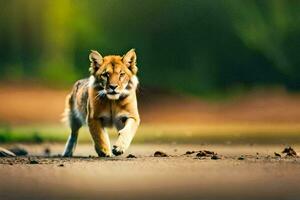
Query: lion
x=106, y=99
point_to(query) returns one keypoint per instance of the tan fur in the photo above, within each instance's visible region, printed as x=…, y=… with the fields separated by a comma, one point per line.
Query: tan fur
x=107, y=98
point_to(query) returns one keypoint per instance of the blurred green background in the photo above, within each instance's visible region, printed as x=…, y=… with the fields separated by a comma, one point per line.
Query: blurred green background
x=186, y=49
x=196, y=47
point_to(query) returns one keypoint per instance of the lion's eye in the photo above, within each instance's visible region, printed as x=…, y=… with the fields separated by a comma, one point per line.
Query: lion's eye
x=122, y=74
x=105, y=74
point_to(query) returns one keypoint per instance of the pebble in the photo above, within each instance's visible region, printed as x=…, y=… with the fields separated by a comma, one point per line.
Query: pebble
x=131, y=156
x=160, y=154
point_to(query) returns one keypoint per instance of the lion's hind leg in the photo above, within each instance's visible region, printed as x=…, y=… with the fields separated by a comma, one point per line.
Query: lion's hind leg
x=75, y=124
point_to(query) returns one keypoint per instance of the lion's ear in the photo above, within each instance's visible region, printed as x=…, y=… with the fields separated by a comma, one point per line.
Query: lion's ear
x=130, y=61
x=96, y=60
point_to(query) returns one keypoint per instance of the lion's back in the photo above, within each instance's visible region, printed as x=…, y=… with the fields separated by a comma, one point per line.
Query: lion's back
x=76, y=101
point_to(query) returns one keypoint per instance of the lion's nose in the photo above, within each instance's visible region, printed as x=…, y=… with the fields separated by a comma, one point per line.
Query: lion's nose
x=113, y=86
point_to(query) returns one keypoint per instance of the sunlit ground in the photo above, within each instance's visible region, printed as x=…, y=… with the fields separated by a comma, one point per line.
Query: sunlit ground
x=260, y=175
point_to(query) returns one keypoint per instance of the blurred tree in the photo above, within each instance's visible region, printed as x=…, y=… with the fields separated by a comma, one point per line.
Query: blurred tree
x=272, y=28
x=198, y=47
x=57, y=61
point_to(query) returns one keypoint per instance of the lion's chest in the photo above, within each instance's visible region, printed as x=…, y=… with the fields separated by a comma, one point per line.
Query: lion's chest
x=111, y=120
x=111, y=113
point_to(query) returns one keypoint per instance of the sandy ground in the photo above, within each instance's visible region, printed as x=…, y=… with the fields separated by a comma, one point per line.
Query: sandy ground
x=260, y=175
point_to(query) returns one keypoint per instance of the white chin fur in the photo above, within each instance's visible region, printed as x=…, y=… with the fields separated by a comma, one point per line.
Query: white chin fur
x=113, y=96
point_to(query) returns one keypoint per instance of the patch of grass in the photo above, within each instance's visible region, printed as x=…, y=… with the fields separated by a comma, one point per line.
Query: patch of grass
x=156, y=133
x=34, y=134
x=221, y=134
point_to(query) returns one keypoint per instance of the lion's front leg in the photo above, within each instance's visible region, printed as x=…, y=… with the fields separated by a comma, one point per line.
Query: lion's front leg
x=126, y=135
x=100, y=137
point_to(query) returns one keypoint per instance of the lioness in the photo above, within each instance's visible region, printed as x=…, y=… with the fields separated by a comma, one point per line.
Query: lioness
x=107, y=98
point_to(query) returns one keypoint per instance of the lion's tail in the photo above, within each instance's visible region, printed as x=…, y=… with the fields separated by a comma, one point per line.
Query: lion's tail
x=66, y=114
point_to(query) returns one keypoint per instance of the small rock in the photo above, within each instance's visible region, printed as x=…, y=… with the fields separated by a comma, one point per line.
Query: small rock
x=215, y=157
x=209, y=152
x=33, y=162
x=206, y=153
x=131, y=156
x=6, y=153
x=160, y=154
x=61, y=165
x=201, y=154
x=289, y=151
x=241, y=157
x=19, y=151
x=189, y=152
x=277, y=154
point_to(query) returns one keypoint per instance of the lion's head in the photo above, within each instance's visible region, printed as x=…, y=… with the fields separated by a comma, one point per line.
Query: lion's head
x=114, y=75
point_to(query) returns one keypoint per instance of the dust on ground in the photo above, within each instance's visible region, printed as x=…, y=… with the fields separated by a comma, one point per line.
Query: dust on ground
x=178, y=175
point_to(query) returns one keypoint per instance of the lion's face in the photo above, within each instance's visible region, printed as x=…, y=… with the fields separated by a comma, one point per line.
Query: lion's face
x=113, y=73
x=114, y=77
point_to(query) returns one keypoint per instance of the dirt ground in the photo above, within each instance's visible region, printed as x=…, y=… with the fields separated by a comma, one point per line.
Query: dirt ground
x=242, y=172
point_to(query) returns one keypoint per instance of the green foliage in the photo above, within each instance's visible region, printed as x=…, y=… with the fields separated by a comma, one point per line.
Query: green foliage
x=210, y=134
x=197, y=47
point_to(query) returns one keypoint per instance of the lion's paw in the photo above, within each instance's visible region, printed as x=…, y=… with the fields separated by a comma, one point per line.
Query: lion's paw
x=117, y=150
x=102, y=153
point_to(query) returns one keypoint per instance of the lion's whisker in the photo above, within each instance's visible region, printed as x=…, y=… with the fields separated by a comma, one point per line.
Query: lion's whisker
x=98, y=95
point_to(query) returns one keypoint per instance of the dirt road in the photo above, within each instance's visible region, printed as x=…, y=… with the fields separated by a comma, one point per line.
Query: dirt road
x=257, y=175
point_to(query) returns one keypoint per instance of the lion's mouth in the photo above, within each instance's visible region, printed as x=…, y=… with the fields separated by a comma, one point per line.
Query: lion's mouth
x=112, y=92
